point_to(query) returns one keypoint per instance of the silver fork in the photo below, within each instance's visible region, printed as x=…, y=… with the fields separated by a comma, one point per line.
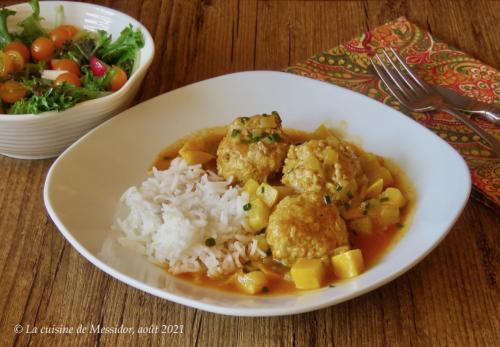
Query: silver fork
x=417, y=95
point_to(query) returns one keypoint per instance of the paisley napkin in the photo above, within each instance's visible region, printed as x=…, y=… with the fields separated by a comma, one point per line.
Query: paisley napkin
x=348, y=65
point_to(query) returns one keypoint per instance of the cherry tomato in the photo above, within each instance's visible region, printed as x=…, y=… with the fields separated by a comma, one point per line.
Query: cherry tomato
x=70, y=29
x=118, y=80
x=42, y=49
x=62, y=34
x=6, y=65
x=12, y=91
x=69, y=78
x=19, y=47
x=59, y=37
x=17, y=60
x=66, y=65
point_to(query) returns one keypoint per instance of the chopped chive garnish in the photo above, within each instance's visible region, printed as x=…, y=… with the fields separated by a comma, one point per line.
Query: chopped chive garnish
x=327, y=200
x=269, y=252
x=276, y=137
x=347, y=205
x=265, y=115
x=265, y=290
x=246, y=142
x=275, y=113
x=235, y=132
x=247, y=206
x=331, y=286
x=339, y=188
x=349, y=195
x=385, y=198
x=262, y=190
x=210, y=242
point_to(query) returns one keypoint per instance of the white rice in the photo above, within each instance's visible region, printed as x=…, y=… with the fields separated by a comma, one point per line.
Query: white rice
x=172, y=214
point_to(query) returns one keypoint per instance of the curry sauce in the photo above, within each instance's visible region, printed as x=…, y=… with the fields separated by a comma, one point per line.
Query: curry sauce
x=373, y=245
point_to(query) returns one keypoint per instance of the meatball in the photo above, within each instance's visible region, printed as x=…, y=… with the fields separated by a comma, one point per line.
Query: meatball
x=254, y=147
x=330, y=166
x=305, y=226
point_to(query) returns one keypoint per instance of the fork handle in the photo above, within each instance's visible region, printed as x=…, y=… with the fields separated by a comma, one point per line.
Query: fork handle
x=488, y=111
x=490, y=139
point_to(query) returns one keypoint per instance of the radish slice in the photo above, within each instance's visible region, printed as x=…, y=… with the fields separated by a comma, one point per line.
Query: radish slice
x=97, y=67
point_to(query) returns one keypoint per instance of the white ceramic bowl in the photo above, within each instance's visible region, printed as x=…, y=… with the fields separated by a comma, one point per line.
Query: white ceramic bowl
x=47, y=134
x=85, y=183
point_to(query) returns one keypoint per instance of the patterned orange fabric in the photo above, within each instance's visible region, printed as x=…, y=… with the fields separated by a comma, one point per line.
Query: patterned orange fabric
x=348, y=65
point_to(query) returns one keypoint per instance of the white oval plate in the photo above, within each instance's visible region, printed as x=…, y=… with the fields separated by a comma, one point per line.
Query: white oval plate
x=84, y=185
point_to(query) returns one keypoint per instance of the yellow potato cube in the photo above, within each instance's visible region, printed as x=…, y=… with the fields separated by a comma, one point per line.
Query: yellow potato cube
x=393, y=196
x=375, y=189
x=341, y=249
x=308, y=273
x=283, y=191
x=321, y=132
x=389, y=215
x=362, y=225
x=381, y=173
x=331, y=156
x=195, y=157
x=348, y=264
x=250, y=187
x=268, y=194
x=258, y=214
x=251, y=282
x=369, y=163
x=262, y=242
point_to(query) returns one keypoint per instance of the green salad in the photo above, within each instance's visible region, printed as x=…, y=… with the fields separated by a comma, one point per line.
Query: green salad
x=53, y=70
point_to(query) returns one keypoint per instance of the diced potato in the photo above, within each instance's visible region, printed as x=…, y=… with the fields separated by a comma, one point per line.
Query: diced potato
x=258, y=214
x=369, y=163
x=262, y=242
x=331, y=156
x=321, y=132
x=251, y=187
x=389, y=215
x=283, y=191
x=308, y=273
x=312, y=163
x=393, y=196
x=341, y=249
x=251, y=282
x=382, y=173
x=362, y=225
x=348, y=264
x=375, y=189
x=268, y=194
x=195, y=157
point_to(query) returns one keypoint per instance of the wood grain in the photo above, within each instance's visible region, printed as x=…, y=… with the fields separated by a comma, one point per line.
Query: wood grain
x=450, y=298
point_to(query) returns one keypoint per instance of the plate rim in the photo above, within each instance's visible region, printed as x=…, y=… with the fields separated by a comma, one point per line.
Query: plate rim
x=246, y=311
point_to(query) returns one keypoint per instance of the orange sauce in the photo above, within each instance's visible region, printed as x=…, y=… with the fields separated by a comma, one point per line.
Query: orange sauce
x=373, y=246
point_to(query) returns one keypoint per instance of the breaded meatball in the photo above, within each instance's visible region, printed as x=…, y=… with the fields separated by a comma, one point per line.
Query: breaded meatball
x=305, y=226
x=254, y=147
x=330, y=166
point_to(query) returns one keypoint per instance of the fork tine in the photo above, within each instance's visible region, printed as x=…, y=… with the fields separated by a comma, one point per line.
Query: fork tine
x=396, y=79
x=389, y=84
x=415, y=77
x=400, y=73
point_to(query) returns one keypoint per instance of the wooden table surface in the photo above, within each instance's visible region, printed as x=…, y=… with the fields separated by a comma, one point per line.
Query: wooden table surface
x=450, y=298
